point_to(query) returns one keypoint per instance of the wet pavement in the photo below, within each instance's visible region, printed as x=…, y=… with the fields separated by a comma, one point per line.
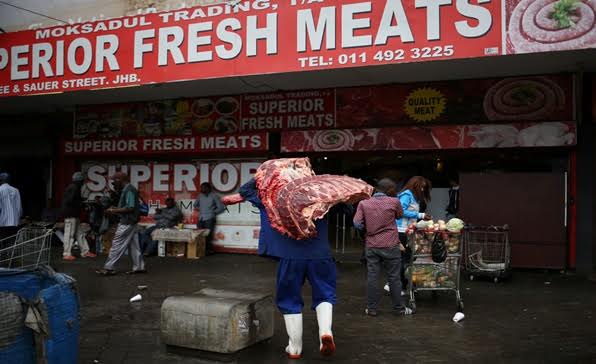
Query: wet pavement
x=536, y=317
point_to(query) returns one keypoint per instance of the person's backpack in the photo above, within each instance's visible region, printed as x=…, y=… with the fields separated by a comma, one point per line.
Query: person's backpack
x=438, y=250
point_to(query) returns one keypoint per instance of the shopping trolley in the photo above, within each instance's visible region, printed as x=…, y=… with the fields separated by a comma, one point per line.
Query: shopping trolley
x=488, y=252
x=28, y=249
x=426, y=275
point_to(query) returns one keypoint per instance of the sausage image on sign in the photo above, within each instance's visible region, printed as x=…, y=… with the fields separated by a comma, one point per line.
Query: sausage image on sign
x=551, y=25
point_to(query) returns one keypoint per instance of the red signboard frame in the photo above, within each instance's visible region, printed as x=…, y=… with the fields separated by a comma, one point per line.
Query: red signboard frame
x=251, y=38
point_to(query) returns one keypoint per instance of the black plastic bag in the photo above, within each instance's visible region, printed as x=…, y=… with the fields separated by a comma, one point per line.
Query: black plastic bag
x=438, y=250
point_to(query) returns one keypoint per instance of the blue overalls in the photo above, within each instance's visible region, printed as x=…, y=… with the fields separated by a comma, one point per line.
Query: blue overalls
x=298, y=260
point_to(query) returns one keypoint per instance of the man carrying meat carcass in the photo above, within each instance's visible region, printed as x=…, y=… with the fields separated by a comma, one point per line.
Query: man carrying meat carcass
x=302, y=254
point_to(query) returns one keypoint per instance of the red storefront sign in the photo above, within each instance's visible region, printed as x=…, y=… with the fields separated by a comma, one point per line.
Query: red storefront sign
x=531, y=98
x=313, y=109
x=252, y=37
x=548, y=134
x=206, y=144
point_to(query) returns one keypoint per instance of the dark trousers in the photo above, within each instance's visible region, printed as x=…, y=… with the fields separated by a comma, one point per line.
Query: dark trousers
x=390, y=260
x=208, y=224
x=148, y=245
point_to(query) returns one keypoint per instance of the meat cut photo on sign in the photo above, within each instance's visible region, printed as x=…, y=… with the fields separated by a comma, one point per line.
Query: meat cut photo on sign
x=550, y=25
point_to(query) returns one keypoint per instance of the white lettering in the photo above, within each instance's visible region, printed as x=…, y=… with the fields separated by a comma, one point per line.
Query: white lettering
x=268, y=33
x=139, y=173
x=483, y=15
x=433, y=16
x=85, y=44
x=224, y=177
x=42, y=53
x=349, y=25
x=194, y=41
x=229, y=37
x=16, y=62
x=325, y=28
x=394, y=10
x=140, y=47
x=167, y=46
x=106, y=54
x=160, y=177
x=184, y=175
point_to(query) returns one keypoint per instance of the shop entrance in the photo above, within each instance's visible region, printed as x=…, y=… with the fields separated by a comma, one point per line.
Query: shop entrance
x=30, y=177
x=491, y=181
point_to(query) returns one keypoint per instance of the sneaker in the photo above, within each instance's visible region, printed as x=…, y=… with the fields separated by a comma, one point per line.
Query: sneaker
x=406, y=311
x=370, y=312
x=386, y=288
x=69, y=257
x=90, y=255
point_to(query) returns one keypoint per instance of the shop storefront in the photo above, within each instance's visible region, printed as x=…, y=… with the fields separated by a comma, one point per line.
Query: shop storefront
x=506, y=117
x=512, y=136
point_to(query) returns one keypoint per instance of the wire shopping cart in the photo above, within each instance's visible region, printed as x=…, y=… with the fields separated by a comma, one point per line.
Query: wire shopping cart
x=426, y=275
x=488, y=252
x=28, y=249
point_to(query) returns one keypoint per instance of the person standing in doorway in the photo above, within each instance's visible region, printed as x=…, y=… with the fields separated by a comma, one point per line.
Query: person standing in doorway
x=453, y=206
x=126, y=233
x=72, y=203
x=209, y=206
x=10, y=208
x=376, y=216
x=416, y=191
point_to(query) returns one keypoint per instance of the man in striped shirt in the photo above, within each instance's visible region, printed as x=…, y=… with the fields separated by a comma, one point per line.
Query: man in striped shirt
x=10, y=207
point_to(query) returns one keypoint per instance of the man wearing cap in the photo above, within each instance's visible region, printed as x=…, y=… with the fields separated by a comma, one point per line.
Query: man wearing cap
x=10, y=208
x=72, y=203
x=126, y=236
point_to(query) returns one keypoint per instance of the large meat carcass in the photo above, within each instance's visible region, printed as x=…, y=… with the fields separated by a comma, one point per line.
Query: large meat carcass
x=294, y=197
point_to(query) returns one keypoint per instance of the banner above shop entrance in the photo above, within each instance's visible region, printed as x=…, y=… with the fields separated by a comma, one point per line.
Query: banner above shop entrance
x=206, y=144
x=553, y=134
x=532, y=98
x=273, y=36
x=245, y=38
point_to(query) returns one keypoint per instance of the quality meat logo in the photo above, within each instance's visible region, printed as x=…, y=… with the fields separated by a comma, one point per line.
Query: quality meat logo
x=551, y=25
x=534, y=98
x=425, y=104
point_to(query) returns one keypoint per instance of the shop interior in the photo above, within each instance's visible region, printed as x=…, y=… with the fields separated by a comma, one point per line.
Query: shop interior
x=539, y=175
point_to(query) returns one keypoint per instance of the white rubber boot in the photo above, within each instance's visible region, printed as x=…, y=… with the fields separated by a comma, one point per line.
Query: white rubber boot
x=294, y=329
x=325, y=319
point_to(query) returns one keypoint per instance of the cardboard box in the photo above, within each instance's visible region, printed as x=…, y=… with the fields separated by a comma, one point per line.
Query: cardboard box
x=175, y=249
x=196, y=248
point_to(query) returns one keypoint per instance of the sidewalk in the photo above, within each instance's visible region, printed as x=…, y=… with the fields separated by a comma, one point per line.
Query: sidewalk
x=523, y=320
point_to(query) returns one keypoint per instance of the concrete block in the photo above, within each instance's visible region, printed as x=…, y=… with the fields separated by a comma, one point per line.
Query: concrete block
x=217, y=321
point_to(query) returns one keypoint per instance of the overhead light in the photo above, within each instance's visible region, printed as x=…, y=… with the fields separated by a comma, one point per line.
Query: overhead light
x=325, y=158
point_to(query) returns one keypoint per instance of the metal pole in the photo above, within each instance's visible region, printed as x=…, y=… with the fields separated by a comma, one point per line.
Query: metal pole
x=336, y=232
x=343, y=240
